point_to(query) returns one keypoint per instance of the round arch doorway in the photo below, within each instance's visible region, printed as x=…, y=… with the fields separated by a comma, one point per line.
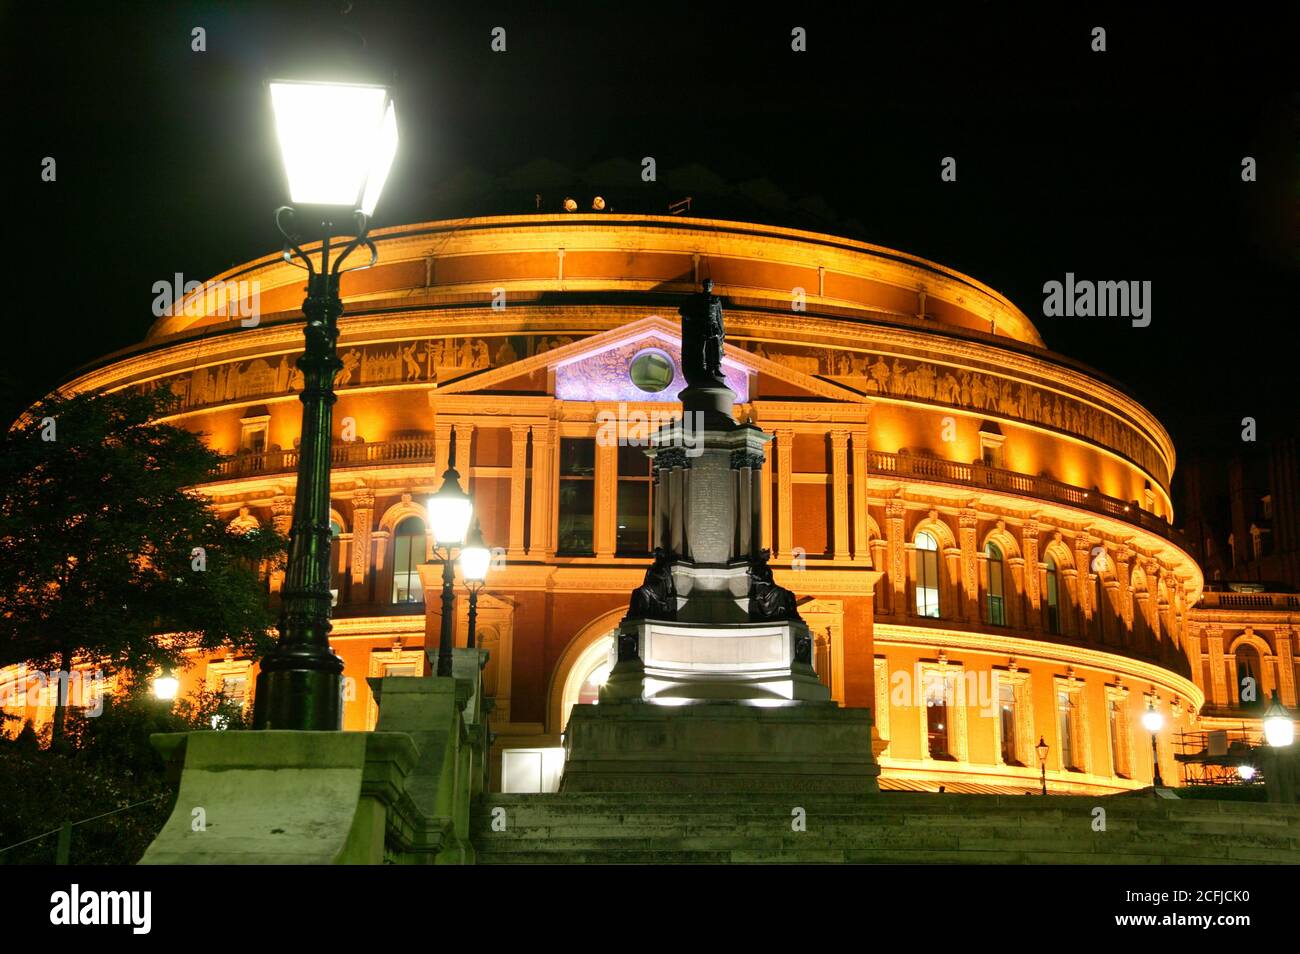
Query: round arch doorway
x=582, y=668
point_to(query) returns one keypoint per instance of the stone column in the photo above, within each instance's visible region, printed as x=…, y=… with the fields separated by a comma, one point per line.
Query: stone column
x=895, y=513
x=518, y=488
x=282, y=520
x=1084, y=587
x=785, y=491
x=606, y=533
x=1033, y=590
x=1218, y=678
x=1285, y=665
x=545, y=447
x=363, y=509
x=840, y=493
x=861, y=543
x=441, y=449
x=765, y=500
x=1122, y=557
x=968, y=523
x=464, y=436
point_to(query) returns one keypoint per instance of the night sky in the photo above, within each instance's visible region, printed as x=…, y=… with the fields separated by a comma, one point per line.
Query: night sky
x=1122, y=165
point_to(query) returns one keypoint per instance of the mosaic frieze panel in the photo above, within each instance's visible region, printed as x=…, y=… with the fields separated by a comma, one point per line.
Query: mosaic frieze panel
x=978, y=391
x=428, y=360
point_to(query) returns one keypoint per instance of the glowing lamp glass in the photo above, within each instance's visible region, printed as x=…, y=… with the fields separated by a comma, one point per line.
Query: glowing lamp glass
x=1246, y=772
x=474, y=563
x=1153, y=720
x=166, y=686
x=450, y=510
x=337, y=141
x=1279, y=727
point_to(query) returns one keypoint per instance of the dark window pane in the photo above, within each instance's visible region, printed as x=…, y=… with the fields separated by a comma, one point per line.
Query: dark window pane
x=577, y=502
x=632, y=461
x=633, y=516
x=577, y=457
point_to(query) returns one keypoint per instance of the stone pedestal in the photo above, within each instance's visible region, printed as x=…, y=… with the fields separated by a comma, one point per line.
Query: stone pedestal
x=718, y=747
x=681, y=662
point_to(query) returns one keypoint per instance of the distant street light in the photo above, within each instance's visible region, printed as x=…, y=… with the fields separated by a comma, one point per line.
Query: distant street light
x=1153, y=721
x=337, y=144
x=450, y=510
x=166, y=685
x=1279, y=726
x=475, y=560
x=1041, y=749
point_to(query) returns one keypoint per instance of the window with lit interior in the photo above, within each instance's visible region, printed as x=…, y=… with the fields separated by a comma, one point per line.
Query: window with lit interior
x=408, y=554
x=927, y=576
x=996, y=603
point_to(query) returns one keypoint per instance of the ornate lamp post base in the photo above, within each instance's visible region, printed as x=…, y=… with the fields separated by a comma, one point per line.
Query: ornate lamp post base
x=308, y=699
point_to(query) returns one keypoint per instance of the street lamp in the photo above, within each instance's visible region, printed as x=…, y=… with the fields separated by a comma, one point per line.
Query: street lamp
x=1041, y=749
x=1245, y=772
x=474, y=562
x=1153, y=721
x=166, y=685
x=337, y=143
x=1279, y=727
x=450, y=510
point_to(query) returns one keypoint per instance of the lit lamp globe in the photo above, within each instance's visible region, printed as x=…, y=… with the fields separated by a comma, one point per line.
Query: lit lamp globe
x=1245, y=772
x=1153, y=720
x=337, y=141
x=475, y=558
x=450, y=510
x=166, y=685
x=1279, y=727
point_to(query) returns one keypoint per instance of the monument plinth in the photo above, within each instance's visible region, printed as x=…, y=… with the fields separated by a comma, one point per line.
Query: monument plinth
x=713, y=655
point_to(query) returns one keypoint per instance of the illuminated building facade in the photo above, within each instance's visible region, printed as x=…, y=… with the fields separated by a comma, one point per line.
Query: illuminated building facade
x=979, y=529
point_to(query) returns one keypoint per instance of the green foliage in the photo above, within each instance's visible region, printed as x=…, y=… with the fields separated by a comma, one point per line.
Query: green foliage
x=98, y=529
x=105, y=775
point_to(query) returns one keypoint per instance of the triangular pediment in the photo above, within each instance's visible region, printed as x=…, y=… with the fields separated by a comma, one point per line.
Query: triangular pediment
x=597, y=368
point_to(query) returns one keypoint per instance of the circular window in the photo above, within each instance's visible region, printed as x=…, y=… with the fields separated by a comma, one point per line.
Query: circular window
x=651, y=371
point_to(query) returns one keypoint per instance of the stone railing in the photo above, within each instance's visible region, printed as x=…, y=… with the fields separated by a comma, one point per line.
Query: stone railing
x=882, y=464
x=398, y=795
x=413, y=450
x=1278, y=601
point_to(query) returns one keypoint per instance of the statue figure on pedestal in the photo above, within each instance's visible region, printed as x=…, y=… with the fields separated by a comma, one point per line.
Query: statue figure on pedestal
x=702, y=334
x=767, y=600
x=656, y=597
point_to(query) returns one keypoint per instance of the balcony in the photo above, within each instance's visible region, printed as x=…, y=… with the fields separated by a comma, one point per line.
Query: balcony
x=882, y=464
x=420, y=450
x=417, y=450
x=1250, y=601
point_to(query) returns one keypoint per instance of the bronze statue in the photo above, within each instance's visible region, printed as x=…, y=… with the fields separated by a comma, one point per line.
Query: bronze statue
x=703, y=331
x=767, y=600
x=656, y=597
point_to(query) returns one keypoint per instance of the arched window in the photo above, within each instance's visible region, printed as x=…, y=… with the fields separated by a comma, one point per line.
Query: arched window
x=408, y=554
x=1053, y=599
x=1249, y=688
x=927, y=576
x=997, y=610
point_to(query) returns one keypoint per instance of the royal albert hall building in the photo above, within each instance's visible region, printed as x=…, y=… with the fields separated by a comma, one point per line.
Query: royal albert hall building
x=979, y=530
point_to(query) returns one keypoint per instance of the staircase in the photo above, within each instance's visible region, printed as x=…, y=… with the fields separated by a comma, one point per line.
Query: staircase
x=904, y=827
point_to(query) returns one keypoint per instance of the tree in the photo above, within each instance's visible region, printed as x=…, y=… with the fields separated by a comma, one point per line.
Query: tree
x=108, y=556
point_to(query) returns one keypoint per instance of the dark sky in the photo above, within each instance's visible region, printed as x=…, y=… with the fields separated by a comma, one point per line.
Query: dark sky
x=1123, y=165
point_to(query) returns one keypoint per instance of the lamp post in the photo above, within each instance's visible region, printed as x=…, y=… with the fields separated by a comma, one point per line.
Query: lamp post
x=1041, y=749
x=1279, y=733
x=166, y=685
x=475, y=559
x=450, y=510
x=337, y=142
x=1153, y=721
